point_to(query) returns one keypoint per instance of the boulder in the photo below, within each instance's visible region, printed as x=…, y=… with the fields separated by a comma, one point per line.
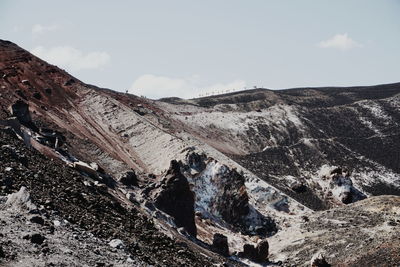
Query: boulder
x=196, y=161
x=176, y=199
x=37, y=219
x=37, y=95
x=20, y=109
x=26, y=82
x=220, y=244
x=258, y=253
x=84, y=167
x=318, y=260
x=20, y=200
x=128, y=178
x=262, y=250
x=116, y=243
x=342, y=187
x=249, y=252
x=2, y=254
x=37, y=239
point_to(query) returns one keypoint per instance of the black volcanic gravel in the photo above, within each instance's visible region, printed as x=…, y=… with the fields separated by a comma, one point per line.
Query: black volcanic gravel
x=61, y=189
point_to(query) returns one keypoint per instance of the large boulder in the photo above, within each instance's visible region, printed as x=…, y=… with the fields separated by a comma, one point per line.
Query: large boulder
x=220, y=244
x=37, y=239
x=342, y=187
x=257, y=253
x=249, y=252
x=176, y=199
x=20, y=109
x=84, y=167
x=20, y=201
x=116, y=243
x=262, y=250
x=128, y=178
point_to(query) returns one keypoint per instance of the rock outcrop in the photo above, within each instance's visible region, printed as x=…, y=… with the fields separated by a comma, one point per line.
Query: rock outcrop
x=20, y=201
x=262, y=250
x=340, y=186
x=220, y=191
x=176, y=199
x=319, y=260
x=258, y=253
x=128, y=178
x=20, y=109
x=220, y=244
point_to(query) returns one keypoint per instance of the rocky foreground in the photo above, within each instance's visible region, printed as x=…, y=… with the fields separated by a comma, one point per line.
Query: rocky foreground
x=92, y=177
x=49, y=216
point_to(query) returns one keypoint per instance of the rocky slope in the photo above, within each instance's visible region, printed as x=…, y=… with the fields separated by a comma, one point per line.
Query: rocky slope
x=195, y=182
x=292, y=137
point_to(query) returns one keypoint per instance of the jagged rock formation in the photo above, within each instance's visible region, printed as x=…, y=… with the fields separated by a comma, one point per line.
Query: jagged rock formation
x=220, y=244
x=341, y=186
x=176, y=199
x=221, y=191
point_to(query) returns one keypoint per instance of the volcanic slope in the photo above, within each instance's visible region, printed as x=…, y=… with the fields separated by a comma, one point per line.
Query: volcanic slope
x=250, y=165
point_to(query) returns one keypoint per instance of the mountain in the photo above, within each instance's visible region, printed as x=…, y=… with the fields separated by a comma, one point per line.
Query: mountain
x=222, y=179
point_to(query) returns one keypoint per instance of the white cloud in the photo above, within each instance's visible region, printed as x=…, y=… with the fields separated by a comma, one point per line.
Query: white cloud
x=71, y=58
x=340, y=41
x=161, y=86
x=38, y=29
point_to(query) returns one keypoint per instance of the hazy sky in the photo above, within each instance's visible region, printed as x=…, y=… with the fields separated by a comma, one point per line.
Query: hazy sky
x=185, y=48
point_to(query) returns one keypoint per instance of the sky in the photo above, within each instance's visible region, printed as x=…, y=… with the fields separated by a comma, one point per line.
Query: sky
x=187, y=48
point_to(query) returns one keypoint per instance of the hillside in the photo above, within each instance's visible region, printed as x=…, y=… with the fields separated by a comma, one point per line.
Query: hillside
x=201, y=181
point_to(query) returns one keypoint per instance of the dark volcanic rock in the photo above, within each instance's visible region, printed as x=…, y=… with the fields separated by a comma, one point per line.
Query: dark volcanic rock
x=298, y=187
x=48, y=91
x=249, y=252
x=234, y=201
x=258, y=253
x=37, y=95
x=96, y=211
x=69, y=82
x=262, y=250
x=230, y=200
x=177, y=199
x=196, y=161
x=128, y=178
x=21, y=110
x=220, y=244
x=319, y=261
x=37, y=219
x=37, y=239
